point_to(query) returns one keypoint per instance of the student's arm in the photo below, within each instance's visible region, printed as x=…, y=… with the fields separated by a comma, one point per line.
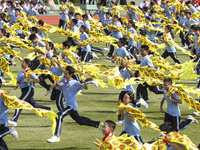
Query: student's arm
x=128, y=56
x=18, y=83
x=57, y=84
x=161, y=105
x=131, y=118
x=85, y=85
x=130, y=72
x=174, y=100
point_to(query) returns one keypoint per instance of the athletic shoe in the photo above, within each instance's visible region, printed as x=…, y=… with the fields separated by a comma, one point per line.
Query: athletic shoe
x=12, y=123
x=120, y=123
x=198, y=89
x=106, y=49
x=14, y=133
x=143, y=103
x=94, y=56
x=2, y=79
x=95, y=83
x=185, y=47
x=193, y=119
x=196, y=114
x=48, y=92
x=101, y=125
x=147, y=101
x=53, y=139
x=108, y=57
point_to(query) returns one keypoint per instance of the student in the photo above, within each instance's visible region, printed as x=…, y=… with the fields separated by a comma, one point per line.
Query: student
x=181, y=23
x=106, y=22
x=173, y=113
x=24, y=7
x=79, y=21
x=4, y=122
x=41, y=32
x=131, y=126
x=42, y=77
x=132, y=11
x=121, y=51
x=36, y=41
x=108, y=129
x=70, y=88
x=27, y=88
x=35, y=30
x=74, y=28
x=100, y=13
x=85, y=51
x=64, y=17
x=115, y=33
x=150, y=33
x=171, y=50
x=32, y=11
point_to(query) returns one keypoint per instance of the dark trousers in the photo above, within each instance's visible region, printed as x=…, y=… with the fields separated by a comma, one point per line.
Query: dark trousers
x=58, y=96
x=43, y=83
x=83, y=2
x=138, y=138
x=142, y=91
x=85, y=56
x=62, y=24
x=103, y=2
x=131, y=49
x=27, y=95
x=75, y=116
x=3, y=132
x=112, y=48
x=175, y=120
x=183, y=41
x=187, y=39
x=70, y=39
x=172, y=55
x=96, y=49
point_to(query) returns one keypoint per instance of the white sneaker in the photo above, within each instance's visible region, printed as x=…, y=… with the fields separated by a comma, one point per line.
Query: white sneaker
x=14, y=133
x=148, y=101
x=107, y=57
x=143, y=103
x=95, y=83
x=2, y=79
x=53, y=139
x=196, y=114
x=193, y=119
x=94, y=56
x=120, y=123
x=185, y=47
x=12, y=123
x=48, y=92
x=198, y=89
x=106, y=49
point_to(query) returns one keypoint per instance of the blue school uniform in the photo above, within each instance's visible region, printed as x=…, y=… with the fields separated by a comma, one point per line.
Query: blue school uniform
x=172, y=107
x=25, y=9
x=21, y=78
x=168, y=11
x=83, y=37
x=126, y=75
x=43, y=34
x=170, y=48
x=146, y=61
x=131, y=127
x=182, y=20
x=64, y=17
x=122, y=52
x=133, y=15
x=79, y=23
x=118, y=34
x=101, y=14
x=151, y=35
x=87, y=24
x=32, y=12
x=11, y=14
x=131, y=41
x=70, y=90
x=56, y=71
x=193, y=9
x=3, y=112
x=75, y=29
x=188, y=22
x=40, y=44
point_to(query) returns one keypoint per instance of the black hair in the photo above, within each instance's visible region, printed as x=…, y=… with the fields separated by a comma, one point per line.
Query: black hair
x=77, y=14
x=115, y=16
x=32, y=3
x=170, y=30
x=98, y=4
x=74, y=21
x=167, y=127
x=112, y=2
x=21, y=3
x=145, y=47
x=132, y=97
x=133, y=24
x=152, y=3
x=34, y=29
x=123, y=41
x=27, y=61
x=41, y=22
x=12, y=6
x=66, y=44
x=169, y=80
x=85, y=16
x=5, y=33
x=71, y=13
x=145, y=9
x=83, y=27
x=108, y=13
x=120, y=20
x=132, y=3
x=188, y=13
x=32, y=37
x=17, y=9
x=111, y=124
x=142, y=32
x=70, y=69
x=51, y=45
x=197, y=28
x=193, y=27
x=188, y=2
x=148, y=18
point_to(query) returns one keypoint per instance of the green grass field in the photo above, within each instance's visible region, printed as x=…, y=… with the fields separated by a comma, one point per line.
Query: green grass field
x=96, y=103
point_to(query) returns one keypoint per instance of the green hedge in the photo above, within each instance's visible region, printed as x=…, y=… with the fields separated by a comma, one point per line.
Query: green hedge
x=76, y=2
